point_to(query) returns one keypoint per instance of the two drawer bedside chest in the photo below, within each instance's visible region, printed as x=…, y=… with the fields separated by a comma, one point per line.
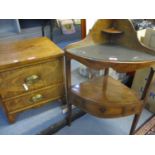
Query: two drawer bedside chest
x=31, y=74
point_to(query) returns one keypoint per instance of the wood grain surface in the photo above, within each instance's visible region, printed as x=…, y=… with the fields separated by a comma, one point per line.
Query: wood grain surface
x=12, y=82
x=111, y=99
x=31, y=74
x=106, y=97
x=17, y=53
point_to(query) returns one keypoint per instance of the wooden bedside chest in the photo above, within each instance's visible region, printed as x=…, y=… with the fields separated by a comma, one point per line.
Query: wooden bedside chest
x=31, y=74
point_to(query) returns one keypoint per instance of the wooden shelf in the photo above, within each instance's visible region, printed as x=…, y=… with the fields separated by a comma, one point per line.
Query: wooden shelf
x=112, y=31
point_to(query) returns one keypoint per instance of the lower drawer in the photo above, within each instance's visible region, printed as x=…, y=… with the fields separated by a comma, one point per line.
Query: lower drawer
x=101, y=110
x=35, y=98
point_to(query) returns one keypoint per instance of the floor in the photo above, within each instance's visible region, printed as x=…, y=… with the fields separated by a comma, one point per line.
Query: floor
x=34, y=121
x=90, y=125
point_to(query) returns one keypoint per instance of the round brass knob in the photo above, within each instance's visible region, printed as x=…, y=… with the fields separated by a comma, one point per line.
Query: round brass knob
x=102, y=109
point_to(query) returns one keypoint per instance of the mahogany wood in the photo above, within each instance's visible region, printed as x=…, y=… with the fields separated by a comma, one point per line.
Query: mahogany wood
x=31, y=74
x=106, y=97
x=83, y=28
x=106, y=100
x=48, y=73
x=48, y=94
x=112, y=31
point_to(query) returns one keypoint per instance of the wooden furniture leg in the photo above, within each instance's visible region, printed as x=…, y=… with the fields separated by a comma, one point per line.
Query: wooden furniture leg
x=69, y=117
x=134, y=123
x=11, y=118
x=147, y=86
x=150, y=77
x=63, y=100
x=68, y=85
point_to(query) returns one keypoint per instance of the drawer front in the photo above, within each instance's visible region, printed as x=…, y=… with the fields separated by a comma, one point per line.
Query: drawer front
x=35, y=98
x=30, y=78
x=103, y=111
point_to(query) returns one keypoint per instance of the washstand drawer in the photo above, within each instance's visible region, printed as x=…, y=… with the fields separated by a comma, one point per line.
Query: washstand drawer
x=30, y=78
x=101, y=110
x=35, y=98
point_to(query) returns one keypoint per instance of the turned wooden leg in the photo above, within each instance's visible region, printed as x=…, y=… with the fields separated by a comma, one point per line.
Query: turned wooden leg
x=69, y=117
x=63, y=100
x=68, y=86
x=11, y=118
x=134, y=123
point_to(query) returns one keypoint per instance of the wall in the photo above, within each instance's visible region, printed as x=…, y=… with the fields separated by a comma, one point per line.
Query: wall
x=89, y=24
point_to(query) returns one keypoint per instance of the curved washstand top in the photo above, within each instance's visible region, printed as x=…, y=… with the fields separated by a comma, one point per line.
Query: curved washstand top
x=127, y=39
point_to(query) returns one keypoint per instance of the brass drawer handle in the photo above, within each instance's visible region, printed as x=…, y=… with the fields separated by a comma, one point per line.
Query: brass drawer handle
x=102, y=110
x=32, y=79
x=37, y=98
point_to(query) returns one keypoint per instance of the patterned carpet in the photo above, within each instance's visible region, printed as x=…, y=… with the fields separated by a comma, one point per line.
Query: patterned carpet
x=147, y=128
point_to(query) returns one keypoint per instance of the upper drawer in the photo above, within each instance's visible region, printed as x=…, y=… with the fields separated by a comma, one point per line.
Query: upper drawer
x=21, y=80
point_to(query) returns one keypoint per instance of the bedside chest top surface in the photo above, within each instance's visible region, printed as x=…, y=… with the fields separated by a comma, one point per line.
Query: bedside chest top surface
x=28, y=50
